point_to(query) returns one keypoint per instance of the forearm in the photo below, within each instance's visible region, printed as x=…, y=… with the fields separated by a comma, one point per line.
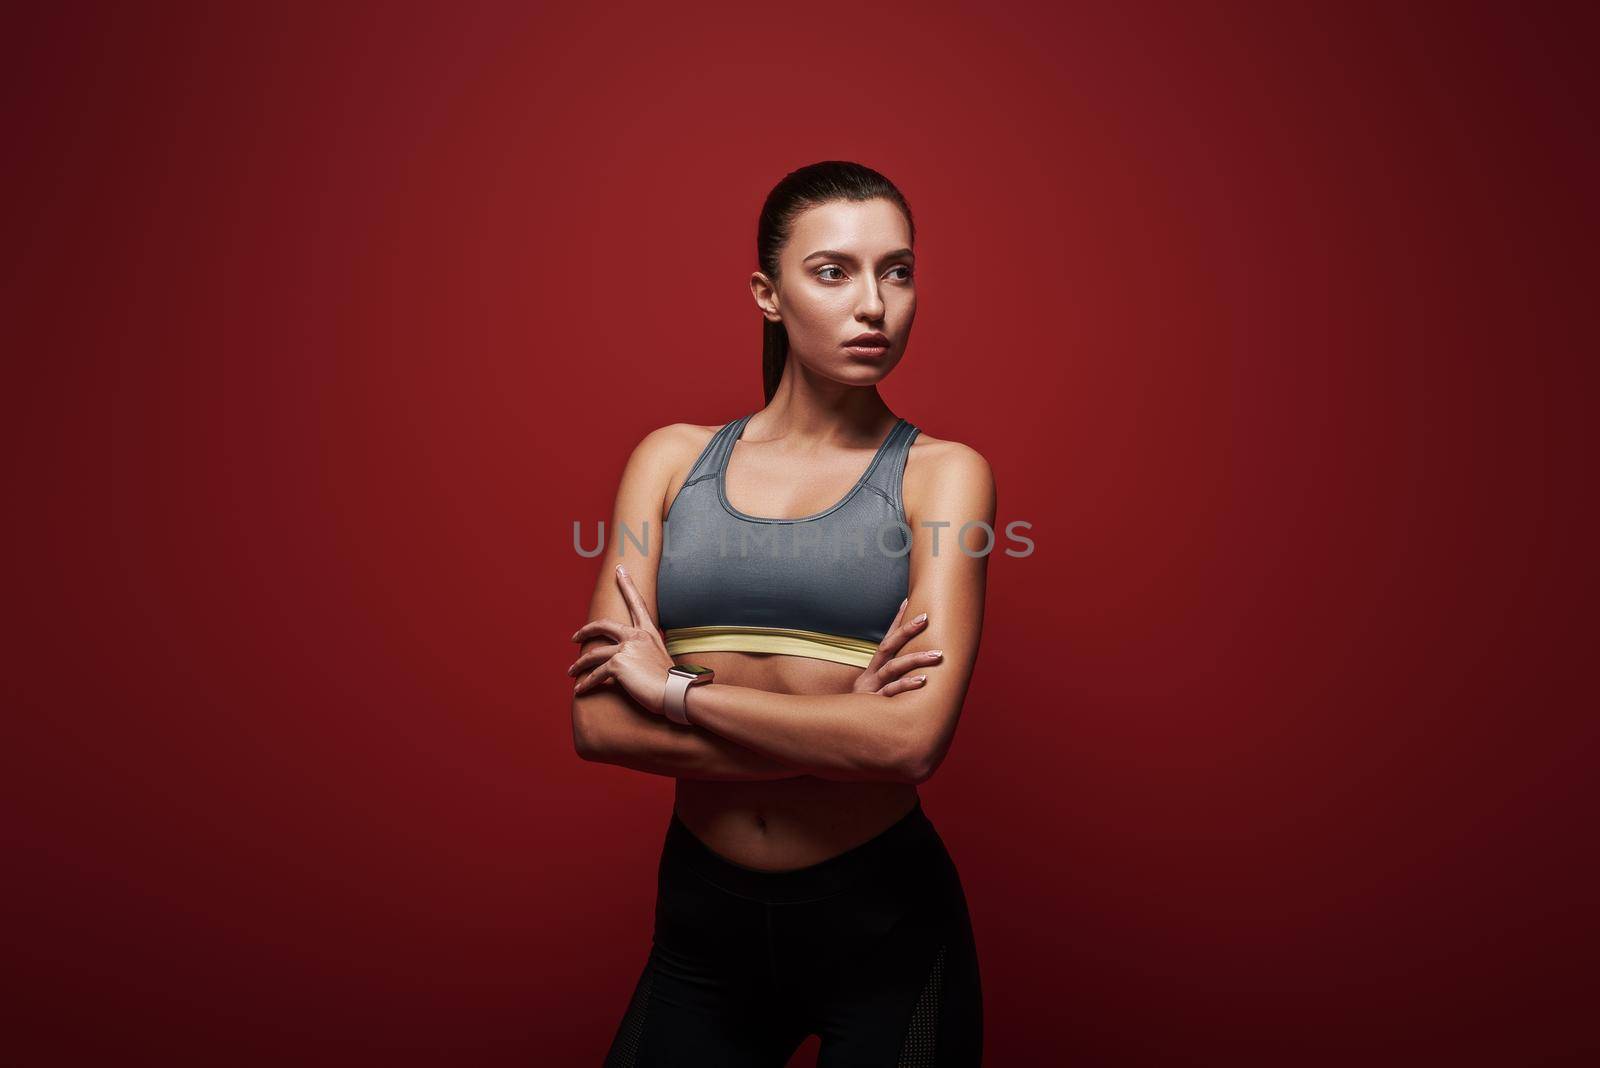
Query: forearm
x=610, y=727
x=851, y=736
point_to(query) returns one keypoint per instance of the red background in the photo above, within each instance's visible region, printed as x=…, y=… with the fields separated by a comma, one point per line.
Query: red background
x=325, y=325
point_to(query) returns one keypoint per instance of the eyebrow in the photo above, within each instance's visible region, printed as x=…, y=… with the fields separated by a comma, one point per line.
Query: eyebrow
x=835, y=254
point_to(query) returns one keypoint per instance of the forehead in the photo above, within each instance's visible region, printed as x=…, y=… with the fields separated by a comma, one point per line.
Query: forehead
x=867, y=228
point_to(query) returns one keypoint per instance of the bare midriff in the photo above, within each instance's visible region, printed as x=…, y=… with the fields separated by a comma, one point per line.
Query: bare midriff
x=784, y=824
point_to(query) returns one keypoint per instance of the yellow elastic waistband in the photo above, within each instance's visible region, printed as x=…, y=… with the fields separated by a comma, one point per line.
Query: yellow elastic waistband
x=857, y=652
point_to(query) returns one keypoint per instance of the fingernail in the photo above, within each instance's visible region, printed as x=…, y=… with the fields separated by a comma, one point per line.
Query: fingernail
x=934, y=654
x=904, y=603
x=923, y=618
x=922, y=678
x=569, y=671
x=620, y=570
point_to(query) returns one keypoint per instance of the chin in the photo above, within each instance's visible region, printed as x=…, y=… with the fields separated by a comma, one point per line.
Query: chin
x=866, y=376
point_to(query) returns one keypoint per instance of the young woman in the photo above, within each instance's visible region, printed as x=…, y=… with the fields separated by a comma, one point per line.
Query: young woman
x=818, y=624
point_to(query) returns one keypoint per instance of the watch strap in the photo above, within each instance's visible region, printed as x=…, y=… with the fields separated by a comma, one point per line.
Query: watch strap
x=675, y=705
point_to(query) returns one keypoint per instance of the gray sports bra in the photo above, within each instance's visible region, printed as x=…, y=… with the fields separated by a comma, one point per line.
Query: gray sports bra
x=825, y=585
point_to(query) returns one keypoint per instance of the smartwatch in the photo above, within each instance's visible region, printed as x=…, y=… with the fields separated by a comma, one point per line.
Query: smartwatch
x=679, y=678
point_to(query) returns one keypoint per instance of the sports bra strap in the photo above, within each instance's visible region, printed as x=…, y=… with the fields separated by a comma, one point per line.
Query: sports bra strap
x=890, y=464
x=714, y=455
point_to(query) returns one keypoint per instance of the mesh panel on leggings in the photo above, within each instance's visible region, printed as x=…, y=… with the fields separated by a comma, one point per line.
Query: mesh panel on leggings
x=918, y=1050
x=625, y=1050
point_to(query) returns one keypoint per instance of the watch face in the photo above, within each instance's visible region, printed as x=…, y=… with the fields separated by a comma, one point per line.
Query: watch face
x=691, y=670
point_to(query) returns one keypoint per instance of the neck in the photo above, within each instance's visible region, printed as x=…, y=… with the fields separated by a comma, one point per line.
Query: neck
x=809, y=409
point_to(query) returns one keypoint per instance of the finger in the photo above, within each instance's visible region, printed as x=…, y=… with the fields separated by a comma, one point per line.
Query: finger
x=881, y=653
x=915, y=625
x=898, y=636
x=636, y=606
x=909, y=662
x=592, y=680
x=910, y=682
x=620, y=573
x=890, y=645
x=596, y=627
x=588, y=660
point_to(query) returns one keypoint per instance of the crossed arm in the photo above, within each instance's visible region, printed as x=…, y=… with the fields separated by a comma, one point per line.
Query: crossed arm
x=741, y=732
x=610, y=727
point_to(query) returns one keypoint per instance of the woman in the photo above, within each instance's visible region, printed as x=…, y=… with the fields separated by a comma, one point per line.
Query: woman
x=823, y=654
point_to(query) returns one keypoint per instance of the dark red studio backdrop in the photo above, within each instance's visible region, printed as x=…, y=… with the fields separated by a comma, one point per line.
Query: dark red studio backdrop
x=325, y=323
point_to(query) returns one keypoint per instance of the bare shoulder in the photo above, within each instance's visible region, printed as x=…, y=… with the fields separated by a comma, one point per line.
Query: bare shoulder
x=674, y=446
x=942, y=473
x=933, y=459
x=665, y=455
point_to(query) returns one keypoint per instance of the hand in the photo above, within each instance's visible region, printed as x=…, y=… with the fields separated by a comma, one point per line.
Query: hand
x=884, y=674
x=638, y=661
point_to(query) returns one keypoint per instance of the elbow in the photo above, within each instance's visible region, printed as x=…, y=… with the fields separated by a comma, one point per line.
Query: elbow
x=924, y=735
x=584, y=748
x=918, y=762
x=919, y=743
x=916, y=753
x=585, y=739
x=918, y=770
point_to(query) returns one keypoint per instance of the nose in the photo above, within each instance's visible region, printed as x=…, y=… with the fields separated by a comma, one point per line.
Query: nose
x=870, y=307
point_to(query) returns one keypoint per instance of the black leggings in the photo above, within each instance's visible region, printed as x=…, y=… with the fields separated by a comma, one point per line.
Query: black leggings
x=871, y=950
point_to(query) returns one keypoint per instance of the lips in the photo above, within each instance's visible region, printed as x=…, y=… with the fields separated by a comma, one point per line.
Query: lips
x=868, y=344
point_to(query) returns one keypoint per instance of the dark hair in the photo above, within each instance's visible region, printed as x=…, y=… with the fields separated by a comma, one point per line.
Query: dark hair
x=801, y=190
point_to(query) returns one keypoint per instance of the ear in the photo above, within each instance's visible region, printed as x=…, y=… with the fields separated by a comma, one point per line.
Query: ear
x=766, y=295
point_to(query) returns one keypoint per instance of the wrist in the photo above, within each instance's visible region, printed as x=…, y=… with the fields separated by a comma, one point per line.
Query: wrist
x=680, y=679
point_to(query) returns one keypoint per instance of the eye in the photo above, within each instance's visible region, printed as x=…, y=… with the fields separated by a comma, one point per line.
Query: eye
x=907, y=276
x=830, y=267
